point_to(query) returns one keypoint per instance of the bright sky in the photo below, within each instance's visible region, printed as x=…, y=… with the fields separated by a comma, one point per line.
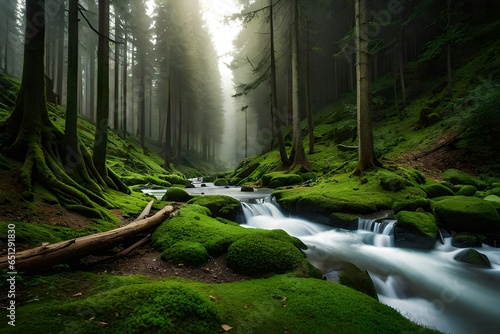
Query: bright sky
x=223, y=34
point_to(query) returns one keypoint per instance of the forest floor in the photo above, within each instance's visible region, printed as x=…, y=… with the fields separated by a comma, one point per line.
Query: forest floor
x=145, y=260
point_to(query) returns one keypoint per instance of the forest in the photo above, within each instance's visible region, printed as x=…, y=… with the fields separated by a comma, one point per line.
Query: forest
x=243, y=166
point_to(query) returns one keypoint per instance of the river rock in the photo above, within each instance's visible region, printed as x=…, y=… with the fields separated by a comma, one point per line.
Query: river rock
x=247, y=189
x=472, y=256
x=175, y=194
x=350, y=275
x=467, y=214
x=416, y=230
x=467, y=190
x=437, y=190
x=456, y=176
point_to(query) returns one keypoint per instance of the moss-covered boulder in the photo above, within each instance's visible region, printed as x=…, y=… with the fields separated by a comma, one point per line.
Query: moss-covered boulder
x=494, y=200
x=175, y=194
x=221, y=182
x=466, y=240
x=391, y=181
x=434, y=190
x=186, y=253
x=280, y=179
x=194, y=224
x=456, y=176
x=467, y=190
x=467, y=214
x=472, y=256
x=415, y=230
x=357, y=279
x=260, y=254
x=219, y=205
x=143, y=308
x=247, y=189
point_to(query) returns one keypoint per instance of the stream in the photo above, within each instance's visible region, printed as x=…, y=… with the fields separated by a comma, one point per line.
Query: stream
x=428, y=287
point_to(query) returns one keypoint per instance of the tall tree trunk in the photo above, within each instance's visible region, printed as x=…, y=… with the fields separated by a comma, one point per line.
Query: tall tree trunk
x=116, y=106
x=124, y=83
x=309, y=112
x=277, y=122
x=142, y=99
x=167, y=144
x=448, y=67
x=60, y=53
x=299, y=155
x=101, y=135
x=366, y=151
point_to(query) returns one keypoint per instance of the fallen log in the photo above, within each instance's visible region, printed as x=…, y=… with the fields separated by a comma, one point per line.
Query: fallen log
x=46, y=256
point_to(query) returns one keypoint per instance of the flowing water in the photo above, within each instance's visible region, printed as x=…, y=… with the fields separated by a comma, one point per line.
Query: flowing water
x=428, y=287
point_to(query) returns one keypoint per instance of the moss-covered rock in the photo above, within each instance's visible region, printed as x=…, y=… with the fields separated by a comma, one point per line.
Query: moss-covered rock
x=434, y=190
x=221, y=182
x=357, y=279
x=467, y=214
x=247, y=189
x=175, y=194
x=415, y=230
x=280, y=179
x=495, y=200
x=391, y=181
x=194, y=224
x=219, y=205
x=456, y=176
x=467, y=190
x=466, y=240
x=186, y=253
x=473, y=257
x=261, y=254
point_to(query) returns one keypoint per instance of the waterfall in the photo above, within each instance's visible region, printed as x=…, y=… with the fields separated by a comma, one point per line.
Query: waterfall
x=428, y=287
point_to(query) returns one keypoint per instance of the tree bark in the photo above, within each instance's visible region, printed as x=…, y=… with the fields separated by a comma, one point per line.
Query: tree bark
x=276, y=121
x=101, y=135
x=366, y=151
x=299, y=155
x=45, y=257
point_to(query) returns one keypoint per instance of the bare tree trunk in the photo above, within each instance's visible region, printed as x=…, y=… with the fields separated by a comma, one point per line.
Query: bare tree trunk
x=116, y=105
x=124, y=93
x=299, y=155
x=60, y=54
x=366, y=151
x=101, y=135
x=448, y=66
x=276, y=121
x=310, y=124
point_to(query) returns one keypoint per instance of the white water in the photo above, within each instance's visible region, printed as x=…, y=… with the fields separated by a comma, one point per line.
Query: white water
x=428, y=287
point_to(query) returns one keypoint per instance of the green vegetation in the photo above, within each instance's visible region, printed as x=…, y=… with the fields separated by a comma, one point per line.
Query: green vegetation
x=219, y=205
x=186, y=253
x=260, y=254
x=133, y=304
x=175, y=194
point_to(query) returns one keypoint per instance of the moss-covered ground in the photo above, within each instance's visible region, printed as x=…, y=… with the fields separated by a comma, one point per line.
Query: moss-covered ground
x=90, y=303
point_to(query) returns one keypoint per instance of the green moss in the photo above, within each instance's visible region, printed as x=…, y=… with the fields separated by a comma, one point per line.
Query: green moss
x=135, y=304
x=194, y=224
x=221, y=182
x=175, y=194
x=259, y=254
x=280, y=179
x=467, y=214
x=466, y=240
x=422, y=222
x=456, y=176
x=219, y=205
x=186, y=253
x=467, y=190
x=437, y=190
x=472, y=256
x=358, y=280
x=391, y=181
x=32, y=234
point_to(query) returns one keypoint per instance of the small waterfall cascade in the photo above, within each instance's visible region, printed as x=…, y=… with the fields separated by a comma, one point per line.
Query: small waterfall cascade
x=428, y=287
